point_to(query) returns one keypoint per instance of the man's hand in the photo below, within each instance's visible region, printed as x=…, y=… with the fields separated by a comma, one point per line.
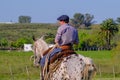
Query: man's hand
x=57, y=45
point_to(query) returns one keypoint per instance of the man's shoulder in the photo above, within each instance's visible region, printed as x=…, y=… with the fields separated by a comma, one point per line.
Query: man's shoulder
x=73, y=28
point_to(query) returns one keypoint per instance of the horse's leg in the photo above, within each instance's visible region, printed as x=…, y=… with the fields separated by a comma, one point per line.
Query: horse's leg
x=31, y=57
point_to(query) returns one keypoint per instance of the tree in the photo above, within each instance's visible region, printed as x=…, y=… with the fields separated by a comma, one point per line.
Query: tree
x=78, y=20
x=118, y=20
x=81, y=19
x=24, y=19
x=88, y=19
x=3, y=42
x=108, y=30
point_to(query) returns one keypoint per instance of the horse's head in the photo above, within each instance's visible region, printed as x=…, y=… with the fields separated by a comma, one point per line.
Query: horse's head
x=39, y=47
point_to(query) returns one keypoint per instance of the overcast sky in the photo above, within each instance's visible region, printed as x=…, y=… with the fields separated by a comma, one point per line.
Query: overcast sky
x=47, y=11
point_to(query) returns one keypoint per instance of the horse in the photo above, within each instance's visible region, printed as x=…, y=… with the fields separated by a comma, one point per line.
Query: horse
x=72, y=67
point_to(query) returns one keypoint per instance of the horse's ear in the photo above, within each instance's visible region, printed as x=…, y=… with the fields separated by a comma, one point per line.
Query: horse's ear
x=42, y=37
x=33, y=37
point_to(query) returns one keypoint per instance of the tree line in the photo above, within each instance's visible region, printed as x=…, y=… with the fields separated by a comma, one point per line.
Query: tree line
x=78, y=20
x=103, y=38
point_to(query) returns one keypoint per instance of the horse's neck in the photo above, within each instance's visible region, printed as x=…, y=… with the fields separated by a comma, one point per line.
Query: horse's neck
x=40, y=47
x=43, y=44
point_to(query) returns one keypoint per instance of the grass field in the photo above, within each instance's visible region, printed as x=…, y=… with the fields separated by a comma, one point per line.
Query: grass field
x=107, y=67
x=16, y=65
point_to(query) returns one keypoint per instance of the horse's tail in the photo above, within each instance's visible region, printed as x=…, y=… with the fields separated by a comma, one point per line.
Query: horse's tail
x=89, y=74
x=94, y=70
x=89, y=70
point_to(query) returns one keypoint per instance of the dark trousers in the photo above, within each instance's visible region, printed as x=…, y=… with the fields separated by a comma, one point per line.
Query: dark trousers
x=55, y=51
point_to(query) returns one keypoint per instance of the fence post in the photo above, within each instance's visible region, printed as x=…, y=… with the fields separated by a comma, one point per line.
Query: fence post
x=99, y=70
x=11, y=73
x=113, y=71
x=27, y=73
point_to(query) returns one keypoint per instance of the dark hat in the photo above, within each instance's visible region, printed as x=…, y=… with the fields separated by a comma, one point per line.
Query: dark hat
x=63, y=18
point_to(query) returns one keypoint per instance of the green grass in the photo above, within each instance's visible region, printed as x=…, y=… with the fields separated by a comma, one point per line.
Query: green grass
x=98, y=56
x=16, y=65
x=106, y=79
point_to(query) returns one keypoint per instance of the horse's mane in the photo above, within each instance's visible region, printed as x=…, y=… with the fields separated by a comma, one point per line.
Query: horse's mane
x=40, y=46
x=42, y=43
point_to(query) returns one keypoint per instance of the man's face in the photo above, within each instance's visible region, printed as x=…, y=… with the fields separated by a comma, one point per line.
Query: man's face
x=61, y=22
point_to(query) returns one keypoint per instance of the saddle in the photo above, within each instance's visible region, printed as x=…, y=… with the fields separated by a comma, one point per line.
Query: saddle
x=64, y=47
x=66, y=51
x=61, y=55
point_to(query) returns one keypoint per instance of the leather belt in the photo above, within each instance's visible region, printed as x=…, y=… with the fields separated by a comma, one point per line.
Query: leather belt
x=66, y=47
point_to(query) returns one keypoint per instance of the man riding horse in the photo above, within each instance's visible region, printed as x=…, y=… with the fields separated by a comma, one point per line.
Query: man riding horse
x=66, y=36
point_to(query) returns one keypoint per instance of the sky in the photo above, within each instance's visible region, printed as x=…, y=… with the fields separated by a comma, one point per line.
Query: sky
x=47, y=11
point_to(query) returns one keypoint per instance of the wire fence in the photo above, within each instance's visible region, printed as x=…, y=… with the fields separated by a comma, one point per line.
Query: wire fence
x=112, y=72
x=29, y=72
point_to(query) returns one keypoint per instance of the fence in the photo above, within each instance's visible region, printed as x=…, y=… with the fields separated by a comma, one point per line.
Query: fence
x=108, y=71
x=29, y=72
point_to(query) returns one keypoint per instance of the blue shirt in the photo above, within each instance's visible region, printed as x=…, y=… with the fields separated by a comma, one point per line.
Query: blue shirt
x=66, y=34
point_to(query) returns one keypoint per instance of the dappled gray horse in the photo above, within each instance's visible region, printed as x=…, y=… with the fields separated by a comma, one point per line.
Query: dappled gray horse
x=72, y=67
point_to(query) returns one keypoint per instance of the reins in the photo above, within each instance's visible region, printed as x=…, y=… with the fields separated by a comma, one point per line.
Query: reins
x=45, y=68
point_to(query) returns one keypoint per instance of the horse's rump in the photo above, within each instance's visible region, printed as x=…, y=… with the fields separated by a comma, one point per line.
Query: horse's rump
x=67, y=68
